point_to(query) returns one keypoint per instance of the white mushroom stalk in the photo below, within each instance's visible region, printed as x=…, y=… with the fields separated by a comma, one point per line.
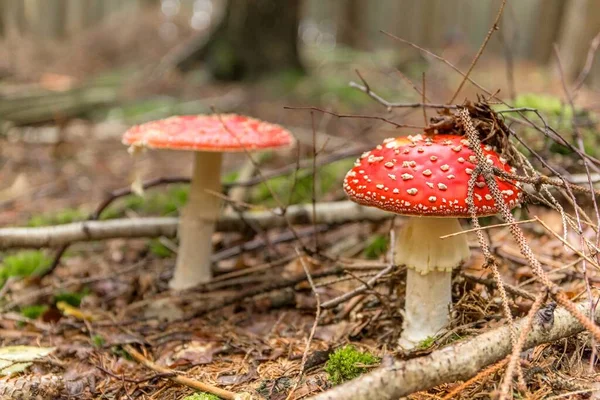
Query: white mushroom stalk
x=429, y=261
x=197, y=223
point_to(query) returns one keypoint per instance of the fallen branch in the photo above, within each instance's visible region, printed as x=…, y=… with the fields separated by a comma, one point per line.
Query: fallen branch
x=326, y=213
x=453, y=363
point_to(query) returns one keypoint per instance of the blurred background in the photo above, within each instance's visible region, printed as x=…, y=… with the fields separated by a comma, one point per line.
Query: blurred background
x=75, y=74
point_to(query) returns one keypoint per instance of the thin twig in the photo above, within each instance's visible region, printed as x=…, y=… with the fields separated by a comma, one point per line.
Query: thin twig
x=479, y=378
x=509, y=288
x=594, y=44
x=314, y=327
x=359, y=290
x=183, y=380
x=397, y=125
x=424, y=98
x=314, y=181
x=439, y=58
x=366, y=89
x=483, y=228
x=123, y=378
x=480, y=51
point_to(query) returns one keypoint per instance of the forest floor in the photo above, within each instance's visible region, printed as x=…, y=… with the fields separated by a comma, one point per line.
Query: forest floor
x=106, y=300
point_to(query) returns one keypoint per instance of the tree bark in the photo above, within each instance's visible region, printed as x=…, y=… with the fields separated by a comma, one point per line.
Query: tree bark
x=255, y=38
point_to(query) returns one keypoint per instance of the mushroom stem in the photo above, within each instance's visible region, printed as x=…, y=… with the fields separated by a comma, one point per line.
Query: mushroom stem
x=429, y=261
x=197, y=223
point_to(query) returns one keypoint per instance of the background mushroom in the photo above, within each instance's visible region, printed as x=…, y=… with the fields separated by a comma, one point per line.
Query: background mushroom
x=426, y=177
x=208, y=136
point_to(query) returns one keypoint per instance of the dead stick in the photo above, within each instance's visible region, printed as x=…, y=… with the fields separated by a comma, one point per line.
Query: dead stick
x=183, y=380
x=51, y=236
x=459, y=361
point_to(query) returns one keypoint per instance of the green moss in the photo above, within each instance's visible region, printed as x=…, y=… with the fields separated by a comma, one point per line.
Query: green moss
x=34, y=311
x=72, y=298
x=544, y=103
x=24, y=263
x=347, y=363
x=426, y=343
x=377, y=246
x=231, y=177
x=98, y=341
x=560, y=116
x=158, y=249
x=65, y=216
x=202, y=396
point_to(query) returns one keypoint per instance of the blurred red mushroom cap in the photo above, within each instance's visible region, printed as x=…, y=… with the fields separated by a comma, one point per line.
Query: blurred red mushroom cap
x=419, y=175
x=224, y=132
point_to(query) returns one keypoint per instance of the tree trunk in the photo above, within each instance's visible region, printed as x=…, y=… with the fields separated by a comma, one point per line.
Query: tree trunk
x=349, y=25
x=580, y=24
x=255, y=38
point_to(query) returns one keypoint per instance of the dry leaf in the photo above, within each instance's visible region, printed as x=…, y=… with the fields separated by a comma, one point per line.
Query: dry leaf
x=17, y=358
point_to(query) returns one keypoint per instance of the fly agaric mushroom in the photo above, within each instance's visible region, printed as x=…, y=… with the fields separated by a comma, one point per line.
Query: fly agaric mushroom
x=208, y=136
x=426, y=178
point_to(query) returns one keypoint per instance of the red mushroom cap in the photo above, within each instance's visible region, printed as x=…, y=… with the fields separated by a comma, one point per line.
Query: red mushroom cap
x=225, y=132
x=418, y=175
